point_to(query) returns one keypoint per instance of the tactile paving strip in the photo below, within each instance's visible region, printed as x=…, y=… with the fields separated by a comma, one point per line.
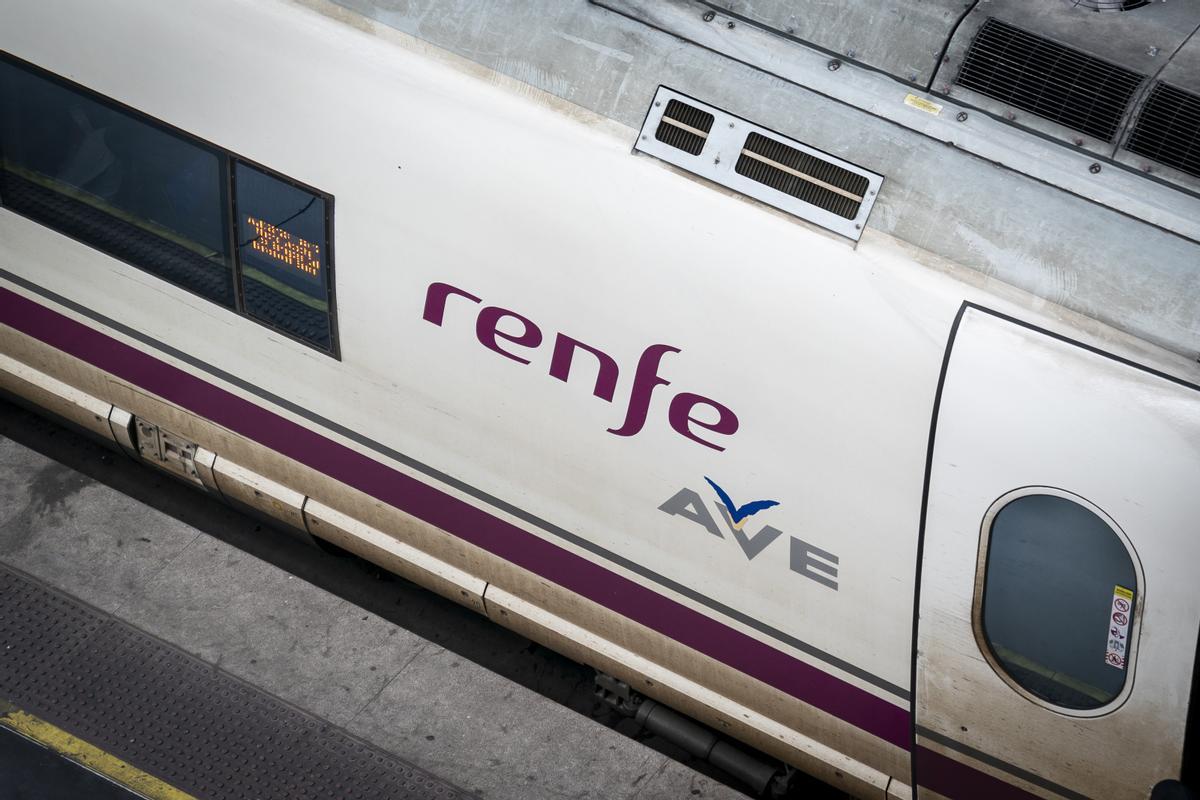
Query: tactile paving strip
x=176, y=717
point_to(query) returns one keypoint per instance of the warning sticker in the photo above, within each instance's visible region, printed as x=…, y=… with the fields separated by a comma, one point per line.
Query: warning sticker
x=920, y=103
x=1118, y=627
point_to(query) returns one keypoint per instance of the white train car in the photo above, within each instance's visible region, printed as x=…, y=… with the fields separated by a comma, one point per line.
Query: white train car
x=852, y=498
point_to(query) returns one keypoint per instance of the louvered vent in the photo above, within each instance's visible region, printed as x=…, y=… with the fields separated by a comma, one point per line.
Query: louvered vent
x=803, y=176
x=759, y=163
x=1168, y=129
x=1047, y=79
x=684, y=127
x=1111, y=5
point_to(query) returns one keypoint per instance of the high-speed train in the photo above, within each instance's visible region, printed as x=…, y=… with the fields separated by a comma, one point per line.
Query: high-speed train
x=826, y=372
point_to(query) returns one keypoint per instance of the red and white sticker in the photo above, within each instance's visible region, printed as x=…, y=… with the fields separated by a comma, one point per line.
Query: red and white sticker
x=1118, y=627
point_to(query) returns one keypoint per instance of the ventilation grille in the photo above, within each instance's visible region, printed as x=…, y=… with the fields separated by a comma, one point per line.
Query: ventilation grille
x=759, y=163
x=1048, y=79
x=1168, y=129
x=684, y=127
x=803, y=176
x=1111, y=5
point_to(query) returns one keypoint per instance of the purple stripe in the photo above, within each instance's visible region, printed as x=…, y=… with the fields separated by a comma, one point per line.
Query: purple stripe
x=503, y=539
x=952, y=778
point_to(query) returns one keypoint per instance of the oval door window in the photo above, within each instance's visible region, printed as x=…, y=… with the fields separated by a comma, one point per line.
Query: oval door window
x=1058, y=600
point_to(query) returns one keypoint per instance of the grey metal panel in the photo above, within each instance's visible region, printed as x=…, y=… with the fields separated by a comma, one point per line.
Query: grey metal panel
x=903, y=38
x=1142, y=40
x=948, y=202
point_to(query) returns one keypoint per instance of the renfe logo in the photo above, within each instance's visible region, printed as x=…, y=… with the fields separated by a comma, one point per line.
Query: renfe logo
x=645, y=376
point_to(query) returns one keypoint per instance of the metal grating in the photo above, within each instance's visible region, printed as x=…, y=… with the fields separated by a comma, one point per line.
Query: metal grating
x=802, y=175
x=1168, y=129
x=759, y=163
x=1110, y=5
x=177, y=718
x=684, y=127
x=1048, y=79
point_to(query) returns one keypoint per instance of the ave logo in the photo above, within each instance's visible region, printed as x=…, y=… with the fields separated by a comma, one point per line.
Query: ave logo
x=803, y=558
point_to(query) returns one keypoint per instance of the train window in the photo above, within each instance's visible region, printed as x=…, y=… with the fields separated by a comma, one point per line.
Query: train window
x=1058, y=601
x=283, y=252
x=115, y=181
x=187, y=211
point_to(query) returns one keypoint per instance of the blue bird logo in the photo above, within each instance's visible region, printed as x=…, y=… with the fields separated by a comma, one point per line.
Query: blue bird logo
x=739, y=514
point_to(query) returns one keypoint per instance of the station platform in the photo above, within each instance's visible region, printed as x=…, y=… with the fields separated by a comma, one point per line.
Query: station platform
x=203, y=671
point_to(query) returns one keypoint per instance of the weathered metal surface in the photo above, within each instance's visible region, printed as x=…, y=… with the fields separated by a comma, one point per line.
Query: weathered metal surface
x=1076, y=245
x=176, y=717
x=56, y=397
x=900, y=37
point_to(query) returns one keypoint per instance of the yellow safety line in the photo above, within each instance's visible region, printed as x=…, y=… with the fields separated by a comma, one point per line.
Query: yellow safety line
x=88, y=755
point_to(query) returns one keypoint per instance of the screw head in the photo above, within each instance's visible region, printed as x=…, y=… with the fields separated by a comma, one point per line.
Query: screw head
x=731, y=24
x=962, y=116
x=731, y=124
x=1078, y=141
x=834, y=65
x=1010, y=116
x=1094, y=168
x=708, y=16
x=657, y=103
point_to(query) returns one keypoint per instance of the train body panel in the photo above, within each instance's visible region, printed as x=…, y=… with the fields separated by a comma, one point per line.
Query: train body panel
x=552, y=354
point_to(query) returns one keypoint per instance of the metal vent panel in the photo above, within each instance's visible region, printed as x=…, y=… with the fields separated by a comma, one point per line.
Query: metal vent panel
x=1168, y=129
x=1110, y=5
x=760, y=163
x=803, y=176
x=684, y=127
x=1050, y=80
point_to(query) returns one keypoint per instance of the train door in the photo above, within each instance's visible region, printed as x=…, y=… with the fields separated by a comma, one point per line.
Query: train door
x=1060, y=576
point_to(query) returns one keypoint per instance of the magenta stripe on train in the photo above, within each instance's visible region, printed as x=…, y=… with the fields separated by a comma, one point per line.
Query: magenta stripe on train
x=641, y=604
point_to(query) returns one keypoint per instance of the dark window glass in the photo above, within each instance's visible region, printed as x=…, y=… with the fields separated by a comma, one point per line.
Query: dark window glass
x=1056, y=576
x=284, y=254
x=115, y=181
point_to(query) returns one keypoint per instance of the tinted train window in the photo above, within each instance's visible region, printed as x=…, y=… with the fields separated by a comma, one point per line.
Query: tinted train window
x=1058, y=601
x=283, y=253
x=160, y=200
x=115, y=182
